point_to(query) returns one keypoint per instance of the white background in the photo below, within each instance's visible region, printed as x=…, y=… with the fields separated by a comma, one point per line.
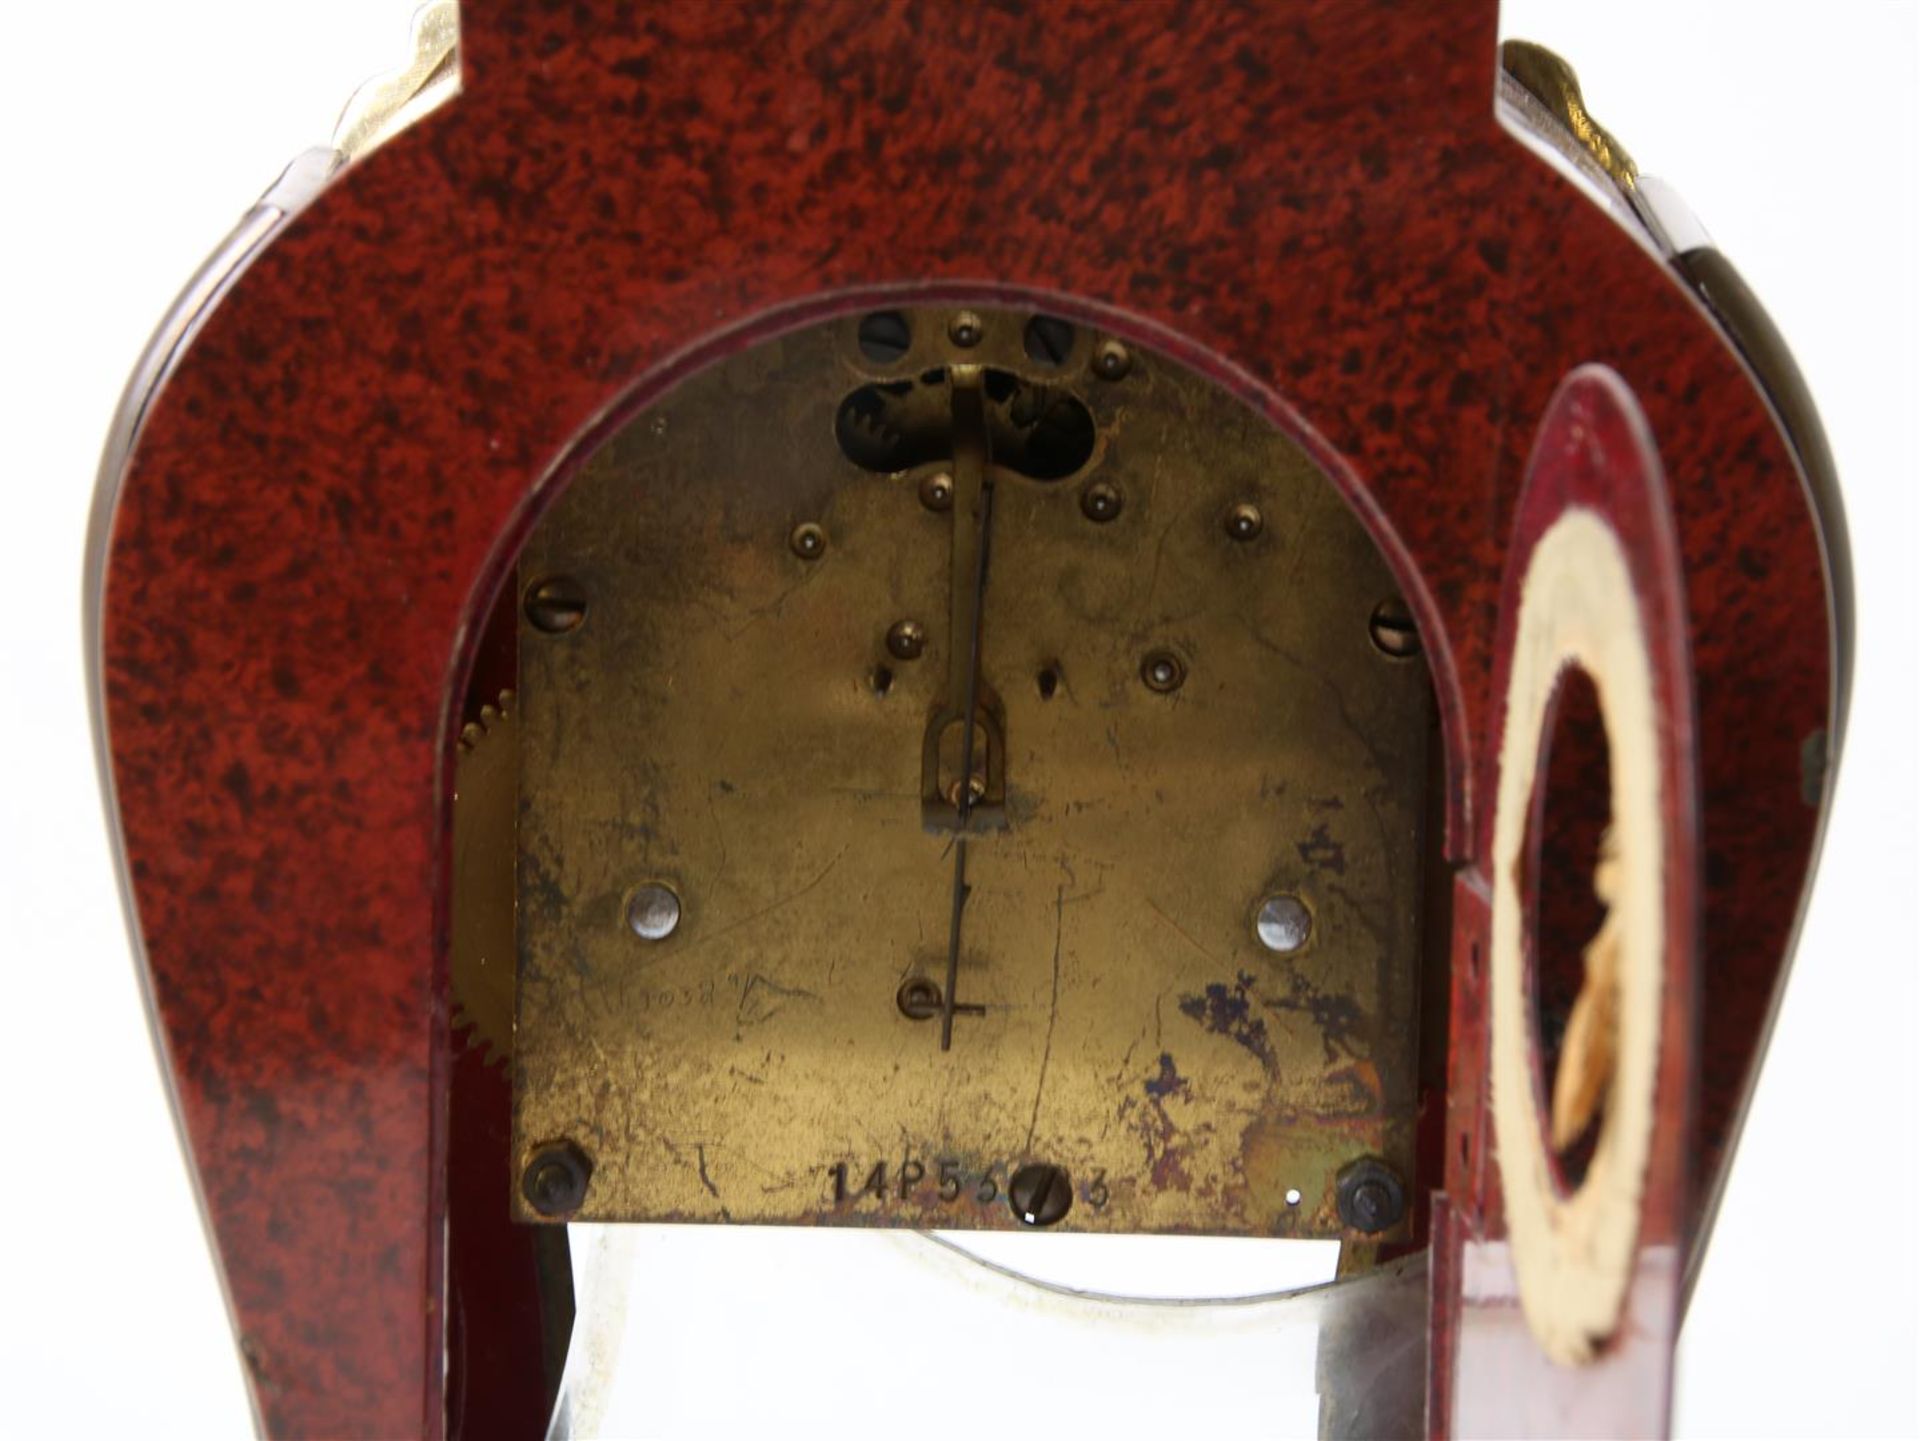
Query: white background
x=136, y=133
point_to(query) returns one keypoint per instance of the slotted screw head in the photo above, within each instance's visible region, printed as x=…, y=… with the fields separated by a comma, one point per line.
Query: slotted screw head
x=556, y=605
x=1393, y=631
x=1040, y=1194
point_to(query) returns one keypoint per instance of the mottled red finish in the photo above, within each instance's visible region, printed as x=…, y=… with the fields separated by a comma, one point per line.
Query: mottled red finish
x=1487, y=1376
x=1311, y=201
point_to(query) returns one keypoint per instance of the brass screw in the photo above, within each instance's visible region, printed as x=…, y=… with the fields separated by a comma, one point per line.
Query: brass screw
x=1100, y=501
x=1244, y=521
x=1039, y=1194
x=936, y=491
x=1111, y=360
x=556, y=606
x=1393, y=631
x=1163, y=671
x=965, y=330
x=809, y=542
x=906, y=640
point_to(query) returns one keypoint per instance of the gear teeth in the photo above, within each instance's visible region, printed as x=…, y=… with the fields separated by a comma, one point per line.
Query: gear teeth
x=480, y=969
x=469, y=1037
x=875, y=429
x=475, y=732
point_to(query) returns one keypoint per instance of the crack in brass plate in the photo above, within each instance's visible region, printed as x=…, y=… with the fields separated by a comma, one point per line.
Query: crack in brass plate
x=729, y=721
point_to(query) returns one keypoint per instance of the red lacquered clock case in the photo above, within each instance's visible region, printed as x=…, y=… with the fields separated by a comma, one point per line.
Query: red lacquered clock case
x=1311, y=203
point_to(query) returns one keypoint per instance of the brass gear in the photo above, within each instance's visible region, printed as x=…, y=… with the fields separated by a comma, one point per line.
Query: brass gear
x=875, y=433
x=485, y=801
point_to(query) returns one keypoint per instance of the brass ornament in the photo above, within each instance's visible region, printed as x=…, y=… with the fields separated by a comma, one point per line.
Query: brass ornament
x=1552, y=82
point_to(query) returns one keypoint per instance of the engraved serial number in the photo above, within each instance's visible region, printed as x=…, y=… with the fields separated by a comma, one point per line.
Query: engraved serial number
x=709, y=992
x=949, y=1182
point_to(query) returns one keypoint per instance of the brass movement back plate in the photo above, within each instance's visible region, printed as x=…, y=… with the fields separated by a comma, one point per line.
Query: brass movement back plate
x=1181, y=713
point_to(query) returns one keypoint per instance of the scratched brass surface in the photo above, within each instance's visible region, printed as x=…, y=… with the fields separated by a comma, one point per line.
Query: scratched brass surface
x=715, y=724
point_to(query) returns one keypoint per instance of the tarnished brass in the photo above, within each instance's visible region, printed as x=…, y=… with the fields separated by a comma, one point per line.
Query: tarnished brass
x=1552, y=82
x=730, y=722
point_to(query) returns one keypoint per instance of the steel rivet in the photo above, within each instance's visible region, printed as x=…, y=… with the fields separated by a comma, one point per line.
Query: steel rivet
x=906, y=640
x=1040, y=1194
x=965, y=330
x=654, y=912
x=809, y=542
x=1393, y=631
x=1100, y=501
x=1283, y=924
x=555, y=1181
x=1163, y=671
x=936, y=491
x=1244, y=522
x=556, y=605
x=1112, y=360
x=1370, y=1196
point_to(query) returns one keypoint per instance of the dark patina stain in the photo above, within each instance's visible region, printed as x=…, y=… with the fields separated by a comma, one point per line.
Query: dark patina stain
x=1161, y=1136
x=1226, y=1011
x=1323, y=852
x=1338, y=1019
x=1169, y=1082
